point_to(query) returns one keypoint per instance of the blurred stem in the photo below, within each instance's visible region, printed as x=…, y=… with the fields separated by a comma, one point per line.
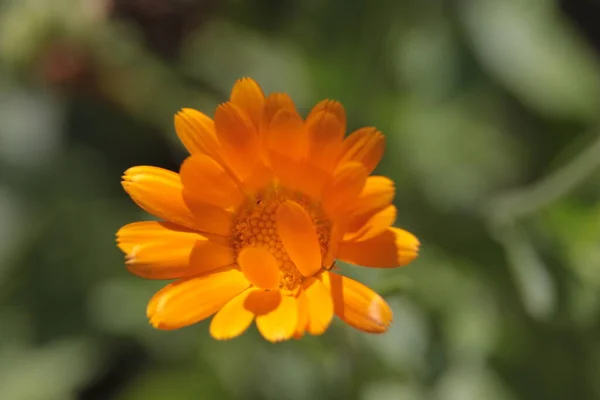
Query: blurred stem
x=532, y=278
x=512, y=206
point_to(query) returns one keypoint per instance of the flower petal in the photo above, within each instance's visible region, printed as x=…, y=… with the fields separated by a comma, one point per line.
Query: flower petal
x=330, y=106
x=132, y=235
x=346, y=184
x=209, y=256
x=335, y=237
x=365, y=145
x=319, y=304
x=299, y=176
x=159, y=192
x=326, y=125
x=287, y=135
x=302, y=315
x=393, y=248
x=377, y=194
x=260, y=267
x=274, y=103
x=249, y=97
x=239, y=139
x=312, y=180
x=191, y=300
x=197, y=132
x=357, y=305
x=276, y=314
x=158, y=250
x=233, y=319
x=204, y=179
x=287, y=146
x=299, y=237
x=208, y=218
x=257, y=180
x=374, y=225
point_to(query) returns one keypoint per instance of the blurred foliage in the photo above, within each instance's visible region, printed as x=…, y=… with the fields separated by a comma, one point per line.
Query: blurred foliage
x=490, y=110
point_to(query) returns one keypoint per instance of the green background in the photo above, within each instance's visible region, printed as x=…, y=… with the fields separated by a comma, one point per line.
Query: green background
x=490, y=108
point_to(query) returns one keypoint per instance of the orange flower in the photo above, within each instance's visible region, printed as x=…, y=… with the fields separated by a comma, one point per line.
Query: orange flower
x=258, y=214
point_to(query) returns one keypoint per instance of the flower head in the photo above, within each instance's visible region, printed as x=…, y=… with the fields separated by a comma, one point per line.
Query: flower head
x=253, y=222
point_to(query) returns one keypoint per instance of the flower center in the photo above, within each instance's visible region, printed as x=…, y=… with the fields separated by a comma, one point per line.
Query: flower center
x=255, y=225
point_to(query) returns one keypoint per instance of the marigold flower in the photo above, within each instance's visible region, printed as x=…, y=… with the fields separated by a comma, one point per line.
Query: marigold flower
x=257, y=216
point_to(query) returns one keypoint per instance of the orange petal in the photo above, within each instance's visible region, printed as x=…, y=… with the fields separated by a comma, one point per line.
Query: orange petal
x=302, y=315
x=260, y=267
x=208, y=218
x=132, y=235
x=249, y=97
x=377, y=194
x=276, y=314
x=312, y=180
x=191, y=300
x=319, y=304
x=210, y=255
x=203, y=178
x=274, y=103
x=357, y=305
x=162, y=260
x=331, y=106
x=239, y=139
x=197, y=132
x=287, y=135
x=345, y=186
x=335, y=237
x=233, y=319
x=393, y=248
x=326, y=129
x=365, y=145
x=287, y=147
x=299, y=237
x=285, y=170
x=375, y=225
x=257, y=180
x=299, y=176
x=159, y=192
x=288, y=143
x=158, y=250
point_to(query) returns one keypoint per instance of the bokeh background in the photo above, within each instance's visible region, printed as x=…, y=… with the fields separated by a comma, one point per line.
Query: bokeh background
x=491, y=110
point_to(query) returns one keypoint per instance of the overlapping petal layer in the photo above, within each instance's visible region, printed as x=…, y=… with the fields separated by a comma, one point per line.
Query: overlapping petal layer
x=259, y=211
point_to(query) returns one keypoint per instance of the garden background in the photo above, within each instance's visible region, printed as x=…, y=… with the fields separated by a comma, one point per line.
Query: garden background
x=491, y=112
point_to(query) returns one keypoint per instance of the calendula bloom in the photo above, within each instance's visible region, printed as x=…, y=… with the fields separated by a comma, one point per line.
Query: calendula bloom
x=253, y=222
